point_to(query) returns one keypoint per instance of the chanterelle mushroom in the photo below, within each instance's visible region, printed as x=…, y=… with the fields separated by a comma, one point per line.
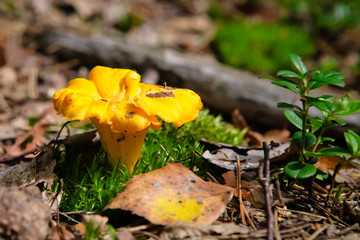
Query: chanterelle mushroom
x=123, y=109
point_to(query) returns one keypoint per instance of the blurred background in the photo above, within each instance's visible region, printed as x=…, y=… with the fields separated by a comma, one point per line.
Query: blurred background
x=252, y=36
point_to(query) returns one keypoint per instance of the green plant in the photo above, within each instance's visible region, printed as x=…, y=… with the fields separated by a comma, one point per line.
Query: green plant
x=260, y=46
x=311, y=128
x=93, y=232
x=331, y=17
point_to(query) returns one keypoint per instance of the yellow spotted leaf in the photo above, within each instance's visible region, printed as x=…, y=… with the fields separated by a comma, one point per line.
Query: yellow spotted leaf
x=173, y=194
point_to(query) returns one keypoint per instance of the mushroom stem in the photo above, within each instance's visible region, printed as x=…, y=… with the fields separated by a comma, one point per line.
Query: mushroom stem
x=121, y=146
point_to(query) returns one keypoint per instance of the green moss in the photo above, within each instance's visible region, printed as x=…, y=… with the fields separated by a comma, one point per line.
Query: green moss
x=89, y=187
x=128, y=22
x=260, y=46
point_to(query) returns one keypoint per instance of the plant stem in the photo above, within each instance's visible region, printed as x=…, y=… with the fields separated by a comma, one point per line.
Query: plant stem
x=305, y=111
x=322, y=130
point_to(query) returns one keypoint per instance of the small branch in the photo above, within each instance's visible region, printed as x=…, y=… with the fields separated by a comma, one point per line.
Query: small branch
x=266, y=183
x=276, y=225
x=20, y=156
x=238, y=183
x=243, y=212
x=317, y=232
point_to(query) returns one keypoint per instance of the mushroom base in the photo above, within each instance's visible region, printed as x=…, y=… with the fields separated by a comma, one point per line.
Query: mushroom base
x=123, y=148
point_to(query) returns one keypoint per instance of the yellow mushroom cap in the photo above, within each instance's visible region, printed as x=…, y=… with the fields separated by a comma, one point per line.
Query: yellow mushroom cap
x=117, y=98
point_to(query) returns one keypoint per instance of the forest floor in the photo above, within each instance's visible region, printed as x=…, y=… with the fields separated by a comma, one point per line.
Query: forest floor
x=29, y=124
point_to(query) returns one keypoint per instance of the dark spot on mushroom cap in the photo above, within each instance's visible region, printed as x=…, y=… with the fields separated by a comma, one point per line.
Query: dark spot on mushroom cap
x=160, y=94
x=130, y=114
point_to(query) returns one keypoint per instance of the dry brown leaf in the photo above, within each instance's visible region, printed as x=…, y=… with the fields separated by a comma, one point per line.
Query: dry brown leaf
x=173, y=194
x=225, y=156
x=349, y=173
x=230, y=178
x=251, y=191
x=180, y=231
x=38, y=170
x=124, y=235
x=35, y=134
x=23, y=215
x=277, y=135
x=19, y=175
x=256, y=139
x=327, y=164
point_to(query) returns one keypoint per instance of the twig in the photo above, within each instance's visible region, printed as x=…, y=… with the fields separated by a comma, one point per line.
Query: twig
x=79, y=213
x=167, y=154
x=266, y=183
x=70, y=218
x=325, y=211
x=297, y=228
x=348, y=229
x=317, y=232
x=303, y=213
x=20, y=156
x=238, y=184
x=278, y=190
x=353, y=189
x=276, y=225
x=243, y=212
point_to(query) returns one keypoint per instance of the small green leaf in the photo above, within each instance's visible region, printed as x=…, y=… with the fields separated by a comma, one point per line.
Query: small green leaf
x=285, y=105
x=298, y=64
x=287, y=84
x=320, y=104
x=327, y=139
x=313, y=85
x=316, y=123
x=339, y=192
x=270, y=77
x=323, y=106
x=313, y=160
x=329, y=77
x=297, y=169
x=293, y=118
x=325, y=97
x=310, y=139
x=287, y=73
x=344, y=106
x=351, y=108
x=334, y=151
x=352, y=141
x=321, y=175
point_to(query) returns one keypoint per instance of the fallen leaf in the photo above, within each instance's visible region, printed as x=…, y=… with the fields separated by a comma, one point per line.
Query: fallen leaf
x=277, y=135
x=124, y=235
x=256, y=139
x=173, y=194
x=36, y=134
x=225, y=155
x=181, y=231
x=230, y=178
x=23, y=215
x=327, y=164
x=349, y=173
x=37, y=170
x=19, y=175
x=251, y=191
